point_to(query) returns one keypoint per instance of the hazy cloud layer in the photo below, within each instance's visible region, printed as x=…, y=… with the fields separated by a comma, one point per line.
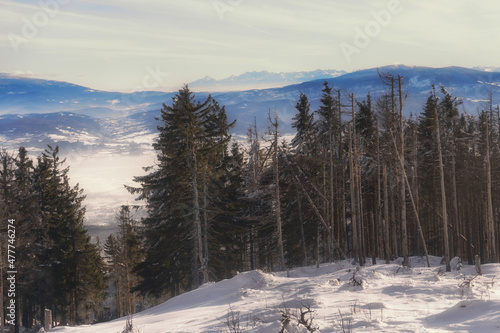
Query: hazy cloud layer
x=108, y=45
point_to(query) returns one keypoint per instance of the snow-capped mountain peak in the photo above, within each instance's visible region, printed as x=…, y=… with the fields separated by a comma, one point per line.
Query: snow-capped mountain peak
x=261, y=80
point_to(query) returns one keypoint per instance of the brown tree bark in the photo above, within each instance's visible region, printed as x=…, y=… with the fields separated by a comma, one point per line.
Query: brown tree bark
x=443, y=194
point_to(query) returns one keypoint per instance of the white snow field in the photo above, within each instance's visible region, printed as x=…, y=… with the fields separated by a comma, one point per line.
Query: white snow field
x=390, y=298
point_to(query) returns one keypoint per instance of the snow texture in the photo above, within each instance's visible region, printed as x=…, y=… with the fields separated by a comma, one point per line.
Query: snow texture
x=344, y=297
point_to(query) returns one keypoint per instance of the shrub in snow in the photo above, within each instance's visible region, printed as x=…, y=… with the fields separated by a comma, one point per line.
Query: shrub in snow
x=403, y=269
x=357, y=281
x=233, y=321
x=334, y=282
x=345, y=323
x=129, y=327
x=300, y=321
x=466, y=285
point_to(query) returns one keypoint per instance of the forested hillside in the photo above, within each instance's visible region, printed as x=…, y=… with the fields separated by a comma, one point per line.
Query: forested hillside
x=360, y=180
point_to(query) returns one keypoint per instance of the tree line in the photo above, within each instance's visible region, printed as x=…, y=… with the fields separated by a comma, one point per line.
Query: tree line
x=57, y=265
x=358, y=180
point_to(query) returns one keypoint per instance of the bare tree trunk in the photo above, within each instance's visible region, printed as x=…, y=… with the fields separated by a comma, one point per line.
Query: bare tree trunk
x=119, y=300
x=205, y=223
x=403, y=187
x=416, y=186
x=414, y=206
x=302, y=234
x=355, y=247
x=252, y=246
x=379, y=222
x=458, y=241
x=326, y=205
x=360, y=222
x=326, y=208
x=344, y=220
x=372, y=239
x=443, y=194
x=478, y=265
x=342, y=190
x=492, y=256
x=1, y=291
x=386, y=219
x=277, y=193
x=317, y=245
x=318, y=214
x=332, y=193
x=357, y=188
x=467, y=225
x=198, y=242
x=127, y=278
x=393, y=225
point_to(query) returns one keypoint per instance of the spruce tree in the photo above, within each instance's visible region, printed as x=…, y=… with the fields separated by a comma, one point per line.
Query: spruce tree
x=68, y=252
x=191, y=144
x=124, y=252
x=229, y=227
x=28, y=224
x=365, y=124
x=113, y=253
x=304, y=124
x=328, y=126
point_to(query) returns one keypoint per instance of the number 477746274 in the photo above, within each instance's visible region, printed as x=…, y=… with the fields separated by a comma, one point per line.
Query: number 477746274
x=11, y=252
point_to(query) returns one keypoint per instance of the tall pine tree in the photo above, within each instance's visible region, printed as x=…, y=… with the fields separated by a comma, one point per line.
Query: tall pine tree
x=191, y=144
x=75, y=267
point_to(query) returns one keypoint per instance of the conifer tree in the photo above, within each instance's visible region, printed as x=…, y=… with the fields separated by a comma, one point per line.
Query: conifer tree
x=191, y=143
x=304, y=124
x=229, y=227
x=28, y=224
x=69, y=252
x=124, y=252
x=113, y=255
x=256, y=199
x=277, y=195
x=57, y=266
x=7, y=213
x=328, y=127
x=448, y=114
x=365, y=124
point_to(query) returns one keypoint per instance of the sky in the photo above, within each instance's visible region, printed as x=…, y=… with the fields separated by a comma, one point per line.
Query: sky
x=132, y=45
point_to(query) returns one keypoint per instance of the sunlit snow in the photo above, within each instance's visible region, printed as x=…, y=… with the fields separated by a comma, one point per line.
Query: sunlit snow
x=391, y=298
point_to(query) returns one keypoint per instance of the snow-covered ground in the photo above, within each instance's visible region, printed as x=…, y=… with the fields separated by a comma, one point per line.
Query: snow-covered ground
x=390, y=298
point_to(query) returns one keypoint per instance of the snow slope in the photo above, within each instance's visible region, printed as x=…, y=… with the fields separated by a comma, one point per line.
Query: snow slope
x=390, y=298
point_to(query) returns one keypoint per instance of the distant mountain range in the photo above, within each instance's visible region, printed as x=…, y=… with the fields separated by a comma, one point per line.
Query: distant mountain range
x=487, y=68
x=261, y=80
x=34, y=112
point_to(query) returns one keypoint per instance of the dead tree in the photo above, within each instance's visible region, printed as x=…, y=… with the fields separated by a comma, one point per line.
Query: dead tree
x=443, y=194
x=355, y=241
x=389, y=80
x=491, y=226
x=279, y=224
